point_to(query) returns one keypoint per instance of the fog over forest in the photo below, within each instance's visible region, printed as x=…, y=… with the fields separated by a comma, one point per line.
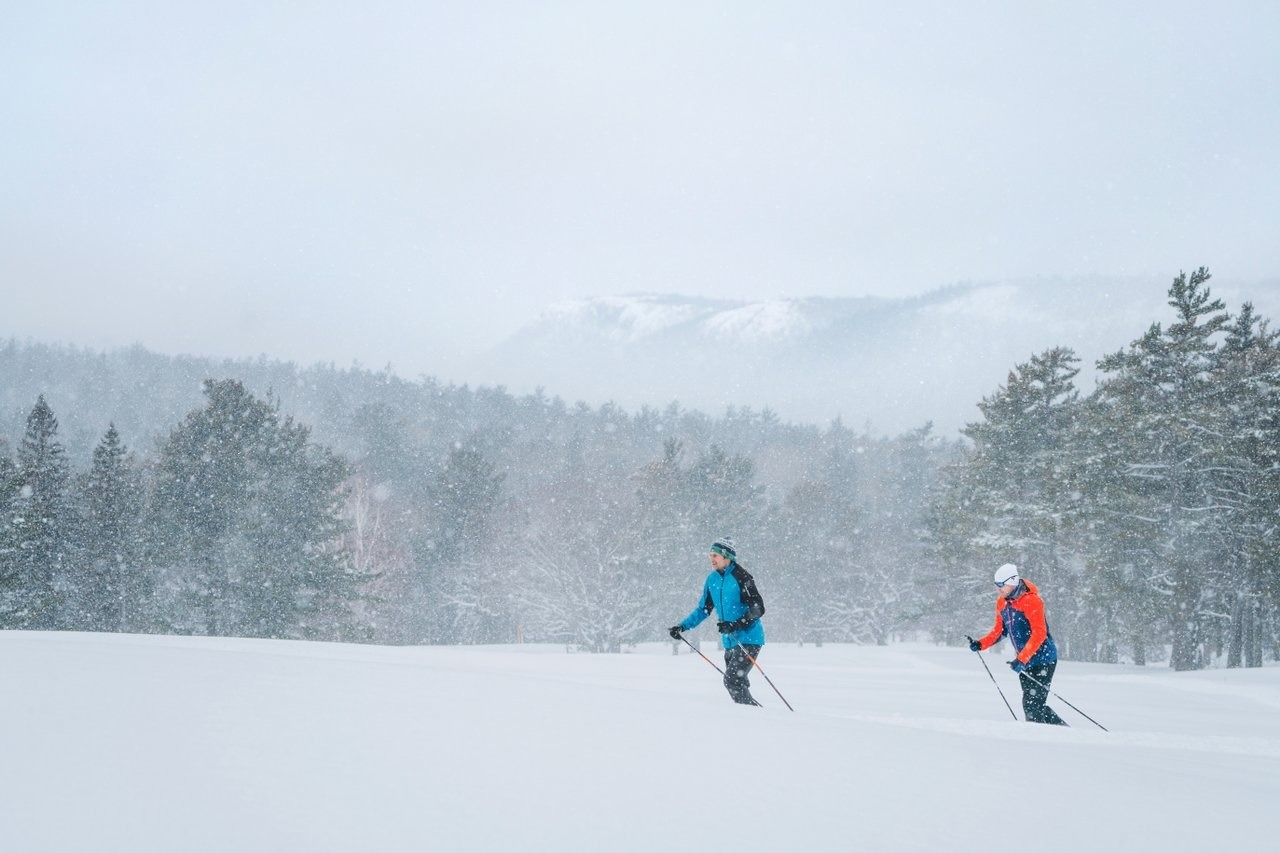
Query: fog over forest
x=149, y=493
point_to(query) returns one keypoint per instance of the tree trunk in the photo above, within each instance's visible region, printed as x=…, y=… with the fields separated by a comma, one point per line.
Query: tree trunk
x=1235, y=633
x=1184, y=655
x=1183, y=618
x=1252, y=635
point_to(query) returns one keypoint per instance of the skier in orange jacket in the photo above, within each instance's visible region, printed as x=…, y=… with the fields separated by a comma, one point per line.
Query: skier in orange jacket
x=1020, y=617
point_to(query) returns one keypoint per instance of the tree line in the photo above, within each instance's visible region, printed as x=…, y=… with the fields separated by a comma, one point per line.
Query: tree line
x=232, y=529
x=453, y=516
x=417, y=512
x=1149, y=508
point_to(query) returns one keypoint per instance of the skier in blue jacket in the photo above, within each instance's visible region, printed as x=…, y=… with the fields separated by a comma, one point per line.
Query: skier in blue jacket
x=731, y=592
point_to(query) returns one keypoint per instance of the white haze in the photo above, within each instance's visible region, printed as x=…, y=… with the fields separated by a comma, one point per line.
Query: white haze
x=411, y=183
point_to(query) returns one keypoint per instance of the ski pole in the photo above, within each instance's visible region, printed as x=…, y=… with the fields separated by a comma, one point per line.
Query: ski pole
x=766, y=676
x=1064, y=701
x=701, y=655
x=993, y=681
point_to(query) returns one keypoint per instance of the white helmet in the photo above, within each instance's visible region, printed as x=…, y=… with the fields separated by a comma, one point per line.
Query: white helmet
x=1006, y=574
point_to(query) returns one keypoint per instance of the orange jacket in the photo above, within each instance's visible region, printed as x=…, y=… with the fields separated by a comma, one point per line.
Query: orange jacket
x=1022, y=621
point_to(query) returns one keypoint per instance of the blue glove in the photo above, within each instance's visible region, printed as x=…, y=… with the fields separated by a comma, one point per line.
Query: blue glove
x=974, y=645
x=1017, y=666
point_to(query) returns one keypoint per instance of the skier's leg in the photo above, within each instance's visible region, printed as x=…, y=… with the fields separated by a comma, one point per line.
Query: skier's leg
x=736, y=670
x=1034, y=696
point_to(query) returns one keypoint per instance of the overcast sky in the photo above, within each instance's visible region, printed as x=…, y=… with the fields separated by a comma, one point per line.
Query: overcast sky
x=410, y=182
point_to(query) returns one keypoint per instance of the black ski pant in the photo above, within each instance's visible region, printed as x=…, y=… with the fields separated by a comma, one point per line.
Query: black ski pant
x=736, y=669
x=1035, y=695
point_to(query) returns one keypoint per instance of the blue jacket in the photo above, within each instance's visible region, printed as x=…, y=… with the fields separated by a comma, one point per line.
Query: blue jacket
x=733, y=595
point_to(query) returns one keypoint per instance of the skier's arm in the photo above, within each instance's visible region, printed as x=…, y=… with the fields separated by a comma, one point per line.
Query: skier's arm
x=754, y=603
x=694, y=619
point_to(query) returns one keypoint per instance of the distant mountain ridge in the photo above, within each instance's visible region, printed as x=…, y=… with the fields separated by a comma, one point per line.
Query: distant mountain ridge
x=633, y=318
x=888, y=363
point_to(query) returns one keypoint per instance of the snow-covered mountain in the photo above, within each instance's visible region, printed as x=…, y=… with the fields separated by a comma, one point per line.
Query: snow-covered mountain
x=890, y=364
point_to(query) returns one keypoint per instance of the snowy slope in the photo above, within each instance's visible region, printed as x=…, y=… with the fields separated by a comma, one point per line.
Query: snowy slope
x=121, y=743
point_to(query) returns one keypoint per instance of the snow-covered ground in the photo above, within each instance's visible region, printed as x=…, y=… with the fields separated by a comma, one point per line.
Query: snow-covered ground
x=126, y=743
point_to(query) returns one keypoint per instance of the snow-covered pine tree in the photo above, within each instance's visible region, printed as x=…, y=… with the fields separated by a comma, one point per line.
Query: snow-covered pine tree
x=819, y=590
x=1013, y=497
x=10, y=581
x=1247, y=391
x=464, y=576
x=1123, y=600
x=114, y=584
x=247, y=521
x=41, y=527
x=719, y=497
x=1022, y=466
x=1163, y=385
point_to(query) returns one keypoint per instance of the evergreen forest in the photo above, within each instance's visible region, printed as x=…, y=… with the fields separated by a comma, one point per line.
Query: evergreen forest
x=156, y=494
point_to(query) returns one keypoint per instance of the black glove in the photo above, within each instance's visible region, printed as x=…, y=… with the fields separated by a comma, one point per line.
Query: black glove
x=675, y=631
x=974, y=645
x=727, y=627
x=1017, y=666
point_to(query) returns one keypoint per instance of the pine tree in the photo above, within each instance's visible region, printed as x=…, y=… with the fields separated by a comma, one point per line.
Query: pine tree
x=462, y=583
x=42, y=526
x=247, y=517
x=892, y=547
x=1247, y=396
x=464, y=498
x=719, y=496
x=11, y=588
x=1021, y=468
x=116, y=585
x=668, y=549
x=1163, y=385
x=819, y=584
x=1013, y=497
x=1122, y=597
